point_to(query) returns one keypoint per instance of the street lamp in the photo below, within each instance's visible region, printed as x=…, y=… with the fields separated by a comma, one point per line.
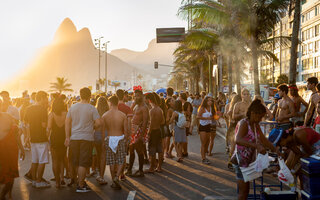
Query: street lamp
x=105, y=45
x=98, y=46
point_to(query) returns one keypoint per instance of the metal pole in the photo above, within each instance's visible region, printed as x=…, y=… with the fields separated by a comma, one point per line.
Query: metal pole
x=106, y=68
x=99, y=60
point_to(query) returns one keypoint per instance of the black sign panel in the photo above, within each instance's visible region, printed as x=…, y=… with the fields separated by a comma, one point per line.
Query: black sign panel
x=168, y=35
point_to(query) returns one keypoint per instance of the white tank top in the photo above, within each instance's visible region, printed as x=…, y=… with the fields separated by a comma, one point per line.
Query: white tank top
x=206, y=114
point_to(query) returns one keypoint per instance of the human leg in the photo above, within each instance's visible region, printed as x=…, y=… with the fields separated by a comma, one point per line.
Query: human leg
x=244, y=188
x=6, y=190
x=56, y=167
x=203, y=140
x=211, y=143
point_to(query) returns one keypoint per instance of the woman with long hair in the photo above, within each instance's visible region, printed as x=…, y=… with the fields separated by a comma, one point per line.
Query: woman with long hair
x=102, y=107
x=249, y=141
x=232, y=122
x=56, y=128
x=180, y=121
x=205, y=116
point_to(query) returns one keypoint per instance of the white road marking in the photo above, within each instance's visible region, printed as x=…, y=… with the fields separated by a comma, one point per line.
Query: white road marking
x=131, y=195
x=97, y=190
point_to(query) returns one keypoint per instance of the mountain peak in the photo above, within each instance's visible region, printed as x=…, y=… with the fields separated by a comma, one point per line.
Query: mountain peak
x=66, y=30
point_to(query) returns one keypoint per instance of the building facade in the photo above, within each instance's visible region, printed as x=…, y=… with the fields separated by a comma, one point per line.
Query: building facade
x=308, y=63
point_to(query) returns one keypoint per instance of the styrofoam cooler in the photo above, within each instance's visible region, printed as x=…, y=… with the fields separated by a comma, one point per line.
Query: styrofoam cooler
x=310, y=165
x=276, y=195
x=306, y=196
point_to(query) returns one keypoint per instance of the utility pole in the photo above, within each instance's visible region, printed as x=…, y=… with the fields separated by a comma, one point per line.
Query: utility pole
x=106, y=66
x=98, y=46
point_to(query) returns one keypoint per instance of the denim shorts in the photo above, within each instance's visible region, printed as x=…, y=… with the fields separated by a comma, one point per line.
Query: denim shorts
x=238, y=172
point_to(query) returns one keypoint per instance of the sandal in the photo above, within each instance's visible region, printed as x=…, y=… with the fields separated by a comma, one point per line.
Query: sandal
x=180, y=160
x=115, y=186
x=128, y=173
x=122, y=177
x=148, y=171
x=159, y=170
x=101, y=180
x=138, y=174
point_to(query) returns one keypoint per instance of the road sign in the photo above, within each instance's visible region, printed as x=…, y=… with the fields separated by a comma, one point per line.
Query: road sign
x=168, y=35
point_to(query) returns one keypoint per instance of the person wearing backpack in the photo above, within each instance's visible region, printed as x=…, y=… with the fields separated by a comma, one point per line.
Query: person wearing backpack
x=180, y=137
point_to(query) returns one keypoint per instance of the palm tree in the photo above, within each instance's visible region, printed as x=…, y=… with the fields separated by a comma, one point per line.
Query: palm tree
x=61, y=85
x=294, y=41
x=247, y=22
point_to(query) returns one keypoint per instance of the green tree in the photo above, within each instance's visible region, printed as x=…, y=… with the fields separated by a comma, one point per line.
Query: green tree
x=242, y=26
x=61, y=85
x=282, y=79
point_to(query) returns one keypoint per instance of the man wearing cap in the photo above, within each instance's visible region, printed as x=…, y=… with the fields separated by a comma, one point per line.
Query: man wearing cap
x=274, y=105
x=315, y=97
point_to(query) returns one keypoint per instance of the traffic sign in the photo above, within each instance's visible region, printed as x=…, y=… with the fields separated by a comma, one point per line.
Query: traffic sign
x=168, y=35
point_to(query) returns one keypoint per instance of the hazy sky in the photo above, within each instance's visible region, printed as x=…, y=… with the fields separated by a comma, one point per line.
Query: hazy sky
x=26, y=26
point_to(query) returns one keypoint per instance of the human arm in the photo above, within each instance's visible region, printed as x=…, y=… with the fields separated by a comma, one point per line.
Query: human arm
x=68, y=124
x=309, y=112
x=243, y=131
x=199, y=116
x=49, y=128
x=174, y=114
x=145, y=116
x=18, y=139
x=125, y=128
x=236, y=115
x=305, y=105
x=266, y=143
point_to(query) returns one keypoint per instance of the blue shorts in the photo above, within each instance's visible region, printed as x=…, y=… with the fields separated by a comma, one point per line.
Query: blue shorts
x=238, y=172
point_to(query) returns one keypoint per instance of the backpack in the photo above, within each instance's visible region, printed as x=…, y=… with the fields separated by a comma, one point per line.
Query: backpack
x=182, y=121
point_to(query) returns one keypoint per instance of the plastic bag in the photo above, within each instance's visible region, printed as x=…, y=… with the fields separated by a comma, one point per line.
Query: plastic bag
x=284, y=174
x=262, y=162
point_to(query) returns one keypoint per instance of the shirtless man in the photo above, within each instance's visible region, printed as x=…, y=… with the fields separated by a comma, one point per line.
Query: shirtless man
x=285, y=109
x=154, y=134
x=138, y=133
x=315, y=97
x=240, y=109
x=116, y=125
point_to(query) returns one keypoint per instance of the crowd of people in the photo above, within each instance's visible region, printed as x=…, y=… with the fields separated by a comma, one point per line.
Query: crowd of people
x=87, y=132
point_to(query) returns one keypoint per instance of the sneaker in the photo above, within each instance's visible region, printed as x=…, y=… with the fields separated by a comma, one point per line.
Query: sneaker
x=42, y=185
x=34, y=183
x=83, y=189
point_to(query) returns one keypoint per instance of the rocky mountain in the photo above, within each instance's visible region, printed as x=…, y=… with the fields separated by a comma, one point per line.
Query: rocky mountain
x=71, y=55
x=161, y=52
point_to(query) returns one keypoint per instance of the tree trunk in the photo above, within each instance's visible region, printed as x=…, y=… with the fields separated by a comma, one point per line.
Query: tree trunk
x=255, y=67
x=220, y=67
x=197, y=79
x=230, y=75
x=238, y=83
x=203, y=78
x=294, y=44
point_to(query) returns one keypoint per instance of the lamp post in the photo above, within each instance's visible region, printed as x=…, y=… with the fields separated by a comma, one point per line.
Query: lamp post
x=98, y=46
x=106, y=66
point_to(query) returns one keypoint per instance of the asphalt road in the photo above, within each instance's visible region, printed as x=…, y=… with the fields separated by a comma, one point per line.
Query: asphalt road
x=188, y=180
